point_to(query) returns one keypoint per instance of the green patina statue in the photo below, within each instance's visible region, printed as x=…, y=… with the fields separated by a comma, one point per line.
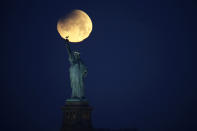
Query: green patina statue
x=78, y=72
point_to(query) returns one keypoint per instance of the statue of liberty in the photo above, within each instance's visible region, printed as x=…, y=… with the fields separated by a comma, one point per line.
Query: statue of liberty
x=78, y=72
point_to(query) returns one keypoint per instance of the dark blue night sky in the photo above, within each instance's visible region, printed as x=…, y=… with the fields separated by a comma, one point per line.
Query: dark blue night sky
x=141, y=58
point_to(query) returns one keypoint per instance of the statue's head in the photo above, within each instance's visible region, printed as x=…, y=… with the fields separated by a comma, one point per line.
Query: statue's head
x=76, y=55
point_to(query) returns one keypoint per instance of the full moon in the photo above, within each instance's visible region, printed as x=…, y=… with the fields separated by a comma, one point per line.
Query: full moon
x=76, y=25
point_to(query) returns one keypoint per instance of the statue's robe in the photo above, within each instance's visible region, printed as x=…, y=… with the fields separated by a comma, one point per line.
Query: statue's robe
x=77, y=73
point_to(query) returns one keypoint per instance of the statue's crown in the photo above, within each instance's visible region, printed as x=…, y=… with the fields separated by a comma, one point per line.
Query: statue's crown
x=76, y=52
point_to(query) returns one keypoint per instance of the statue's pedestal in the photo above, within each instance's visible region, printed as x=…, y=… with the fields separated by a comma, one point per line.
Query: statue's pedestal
x=76, y=116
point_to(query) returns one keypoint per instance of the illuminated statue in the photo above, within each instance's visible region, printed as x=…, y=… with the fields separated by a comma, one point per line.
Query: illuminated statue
x=76, y=25
x=78, y=72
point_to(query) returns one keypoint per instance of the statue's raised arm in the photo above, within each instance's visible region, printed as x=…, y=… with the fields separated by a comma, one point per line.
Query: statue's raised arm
x=70, y=54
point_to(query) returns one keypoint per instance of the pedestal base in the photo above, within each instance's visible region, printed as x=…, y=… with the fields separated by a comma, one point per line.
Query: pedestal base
x=77, y=116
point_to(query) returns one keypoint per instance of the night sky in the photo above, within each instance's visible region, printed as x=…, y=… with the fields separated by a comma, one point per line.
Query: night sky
x=141, y=59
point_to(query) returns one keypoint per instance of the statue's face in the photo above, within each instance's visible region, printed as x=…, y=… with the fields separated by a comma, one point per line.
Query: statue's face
x=77, y=55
